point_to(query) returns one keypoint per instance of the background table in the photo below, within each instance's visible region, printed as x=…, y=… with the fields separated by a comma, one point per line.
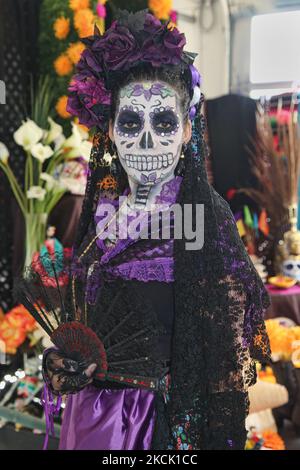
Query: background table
x=284, y=303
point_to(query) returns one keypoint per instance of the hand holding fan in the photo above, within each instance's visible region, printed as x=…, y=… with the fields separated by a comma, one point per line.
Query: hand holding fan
x=42, y=290
x=121, y=341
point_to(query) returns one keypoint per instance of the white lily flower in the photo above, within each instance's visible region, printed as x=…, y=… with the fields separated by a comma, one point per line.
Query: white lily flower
x=41, y=152
x=84, y=134
x=85, y=149
x=74, y=141
x=28, y=134
x=4, y=153
x=54, y=132
x=59, y=141
x=36, y=192
x=50, y=181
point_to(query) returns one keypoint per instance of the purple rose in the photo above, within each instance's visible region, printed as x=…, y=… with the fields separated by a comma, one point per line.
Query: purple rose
x=118, y=48
x=90, y=61
x=92, y=88
x=87, y=94
x=174, y=41
x=86, y=116
x=152, y=25
x=164, y=48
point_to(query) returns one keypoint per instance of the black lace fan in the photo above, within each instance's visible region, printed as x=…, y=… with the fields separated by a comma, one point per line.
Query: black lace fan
x=120, y=339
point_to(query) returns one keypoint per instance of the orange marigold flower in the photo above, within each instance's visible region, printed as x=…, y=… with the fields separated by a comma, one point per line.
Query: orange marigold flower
x=19, y=315
x=61, y=107
x=76, y=5
x=11, y=336
x=273, y=441
x=74, y=51
x=281, y=338
x=161, y=8
x=296, y=331
x=63, y=65
x=14, y=327
x=61, y=27
x=84, y=22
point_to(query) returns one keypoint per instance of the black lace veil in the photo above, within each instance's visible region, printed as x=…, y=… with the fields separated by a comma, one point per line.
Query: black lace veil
x=219, y=330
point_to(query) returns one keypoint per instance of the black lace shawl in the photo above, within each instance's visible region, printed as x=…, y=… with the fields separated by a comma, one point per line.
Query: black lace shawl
x=219, y=329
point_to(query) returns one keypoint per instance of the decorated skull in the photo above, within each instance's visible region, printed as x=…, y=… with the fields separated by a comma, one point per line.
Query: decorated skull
x=148, y=131
x=291, y=268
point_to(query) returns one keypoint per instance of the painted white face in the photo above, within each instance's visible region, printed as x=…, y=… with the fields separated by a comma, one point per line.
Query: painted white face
x=148, y=131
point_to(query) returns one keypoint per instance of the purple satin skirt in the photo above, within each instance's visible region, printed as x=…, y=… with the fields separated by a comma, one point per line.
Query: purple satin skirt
x=102, y=419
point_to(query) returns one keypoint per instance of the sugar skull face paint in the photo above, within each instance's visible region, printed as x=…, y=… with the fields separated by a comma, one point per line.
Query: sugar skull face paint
x=148, y=131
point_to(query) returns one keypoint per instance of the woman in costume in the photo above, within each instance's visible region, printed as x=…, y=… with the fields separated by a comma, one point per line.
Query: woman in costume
x=189, y=318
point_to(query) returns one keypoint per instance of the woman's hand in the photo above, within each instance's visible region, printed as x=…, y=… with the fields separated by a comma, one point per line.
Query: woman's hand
x=65, y=375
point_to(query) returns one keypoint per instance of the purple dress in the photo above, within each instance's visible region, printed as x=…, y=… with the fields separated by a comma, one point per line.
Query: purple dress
x=121, y=419
x=108, y=420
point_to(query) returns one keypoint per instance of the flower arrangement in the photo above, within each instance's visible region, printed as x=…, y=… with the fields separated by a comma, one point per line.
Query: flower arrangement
x=15, y=327
x=161, y=8
x=266, y=374
x=275, y=162
x=282, y=339
x=66, y=22
x=61, y=27
x=273, y=441
x=266, y=440
x=47, y=150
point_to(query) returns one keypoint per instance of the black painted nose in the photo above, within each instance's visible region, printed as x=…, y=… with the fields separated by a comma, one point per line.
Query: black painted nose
x=146, y=141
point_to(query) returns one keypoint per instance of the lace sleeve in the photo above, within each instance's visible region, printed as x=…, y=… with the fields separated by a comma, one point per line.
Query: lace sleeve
x=226, y=417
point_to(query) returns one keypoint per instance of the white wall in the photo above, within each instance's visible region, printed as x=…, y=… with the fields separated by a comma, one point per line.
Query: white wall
x=212, y=46
x=228, y=34
x=240, y=41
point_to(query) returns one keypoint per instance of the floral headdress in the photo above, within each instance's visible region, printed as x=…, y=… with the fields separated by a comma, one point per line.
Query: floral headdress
x=133, y=40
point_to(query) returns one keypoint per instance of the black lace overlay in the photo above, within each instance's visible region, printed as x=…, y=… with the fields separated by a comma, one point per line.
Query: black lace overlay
x=218, y=328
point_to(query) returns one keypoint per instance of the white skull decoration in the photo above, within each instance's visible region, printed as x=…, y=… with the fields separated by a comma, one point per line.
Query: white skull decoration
x=291, y=268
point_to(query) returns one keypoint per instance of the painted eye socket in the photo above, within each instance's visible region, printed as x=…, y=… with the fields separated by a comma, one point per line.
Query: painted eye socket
x=129, y=122
x=165, y=121
x=131, y=125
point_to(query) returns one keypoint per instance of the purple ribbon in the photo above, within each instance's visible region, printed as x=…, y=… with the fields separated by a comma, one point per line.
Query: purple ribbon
x=192, y=112
x=195, y=76
x=51, y=409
